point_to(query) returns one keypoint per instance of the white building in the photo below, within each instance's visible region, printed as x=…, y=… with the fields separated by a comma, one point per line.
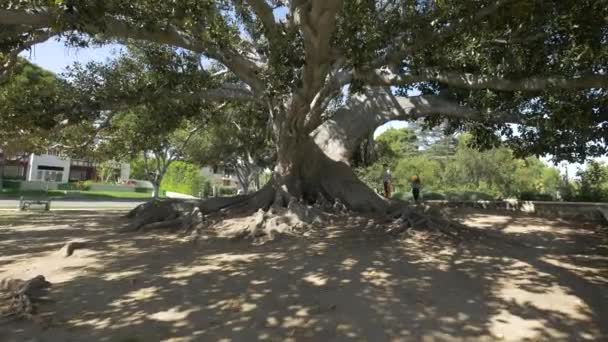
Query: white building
x=221, y=175
x=48, y=168
x=58, y=169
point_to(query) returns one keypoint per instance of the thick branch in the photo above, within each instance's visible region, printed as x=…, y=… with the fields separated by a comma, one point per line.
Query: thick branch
x=471, y=81
x=227, y=94
x=264, y=12
x=330, y=90
x=240, y=66
x=12, y=57
x=15, y=18
x=317, y=21
x=363, y=113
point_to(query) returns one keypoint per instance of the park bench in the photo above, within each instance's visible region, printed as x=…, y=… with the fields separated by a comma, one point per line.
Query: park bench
x=26, y=203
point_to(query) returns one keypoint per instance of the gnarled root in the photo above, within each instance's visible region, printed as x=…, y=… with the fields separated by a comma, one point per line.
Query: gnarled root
x=273, y=212
x=420, y=218
x=18, y=297
x=266, y=225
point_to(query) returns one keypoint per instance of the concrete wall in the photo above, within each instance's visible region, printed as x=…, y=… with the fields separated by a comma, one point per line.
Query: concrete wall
x=594, y=212
x=36, y=174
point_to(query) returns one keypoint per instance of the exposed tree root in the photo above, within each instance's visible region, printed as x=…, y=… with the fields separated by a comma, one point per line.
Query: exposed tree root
x=421, y=218
x=274, y=212
x=271, y=213
x=291, y=203
x=18, y=297
x=266, y=225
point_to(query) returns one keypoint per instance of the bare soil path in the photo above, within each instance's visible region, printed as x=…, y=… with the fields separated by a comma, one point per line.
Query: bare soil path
x=546, y=281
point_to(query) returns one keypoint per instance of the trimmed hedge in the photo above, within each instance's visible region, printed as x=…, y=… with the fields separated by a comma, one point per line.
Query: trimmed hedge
x=534, y=196
x=227, y=191
x=11, y=184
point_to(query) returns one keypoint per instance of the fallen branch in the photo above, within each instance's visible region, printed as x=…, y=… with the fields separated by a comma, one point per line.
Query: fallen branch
x=68, y=249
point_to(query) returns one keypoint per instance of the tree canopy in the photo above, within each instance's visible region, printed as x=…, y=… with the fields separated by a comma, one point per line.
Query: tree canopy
x=539, y=64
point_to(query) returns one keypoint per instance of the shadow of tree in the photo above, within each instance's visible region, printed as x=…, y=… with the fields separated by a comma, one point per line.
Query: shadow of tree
x=352, y=284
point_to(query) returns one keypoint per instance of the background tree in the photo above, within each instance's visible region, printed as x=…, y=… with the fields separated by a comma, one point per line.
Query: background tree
x=594, y=183
x=141, y=119
x=466, y=172
x=30, y=103
x=237, y=139
x=128, y=136
x=397, y=143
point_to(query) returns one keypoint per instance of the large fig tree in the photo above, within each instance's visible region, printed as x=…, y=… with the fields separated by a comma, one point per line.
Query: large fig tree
x=328, y=72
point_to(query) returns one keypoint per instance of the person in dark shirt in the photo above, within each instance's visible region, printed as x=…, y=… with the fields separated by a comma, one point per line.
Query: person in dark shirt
x=416, y=185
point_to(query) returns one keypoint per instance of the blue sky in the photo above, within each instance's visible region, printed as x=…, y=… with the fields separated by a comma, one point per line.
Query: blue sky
x=55, y=56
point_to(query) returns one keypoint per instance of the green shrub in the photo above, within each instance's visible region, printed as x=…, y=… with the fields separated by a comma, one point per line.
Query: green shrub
x=11, y=184
x=399, y=195
x=476, y=196
x=206, y=188
x=184, y=178
x=65, y=186
x=84, y=186
x=143, y=190
x=534, y=196
x=227, y=191
x=431, y=196
x=74, y=186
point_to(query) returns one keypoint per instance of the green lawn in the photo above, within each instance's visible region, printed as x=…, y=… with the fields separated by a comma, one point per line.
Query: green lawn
x=11, y=193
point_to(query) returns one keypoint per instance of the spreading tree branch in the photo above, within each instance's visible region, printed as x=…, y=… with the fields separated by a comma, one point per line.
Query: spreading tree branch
x=27, y=18
x=12, y=57
x=375, y=106
x=264, y=12
x=472, y=81
x=113, y=28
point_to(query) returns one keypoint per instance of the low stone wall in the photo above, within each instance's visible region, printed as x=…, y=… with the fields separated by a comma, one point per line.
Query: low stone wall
x=170, y=194
x=111, y=187
x=594, y=212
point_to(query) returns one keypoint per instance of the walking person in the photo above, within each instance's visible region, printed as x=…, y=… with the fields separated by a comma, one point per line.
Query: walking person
x=387, y=181
x=416, y=185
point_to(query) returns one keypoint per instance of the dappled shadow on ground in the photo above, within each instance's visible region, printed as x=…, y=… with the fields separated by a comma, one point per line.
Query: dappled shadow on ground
x=546, y=281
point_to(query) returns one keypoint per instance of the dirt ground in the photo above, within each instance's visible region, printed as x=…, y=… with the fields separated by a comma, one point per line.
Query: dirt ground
x=548, y=282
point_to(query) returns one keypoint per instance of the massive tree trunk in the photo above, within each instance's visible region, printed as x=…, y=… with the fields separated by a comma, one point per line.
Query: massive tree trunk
x=305, y=182
x=306, y=172
x=311, y=169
